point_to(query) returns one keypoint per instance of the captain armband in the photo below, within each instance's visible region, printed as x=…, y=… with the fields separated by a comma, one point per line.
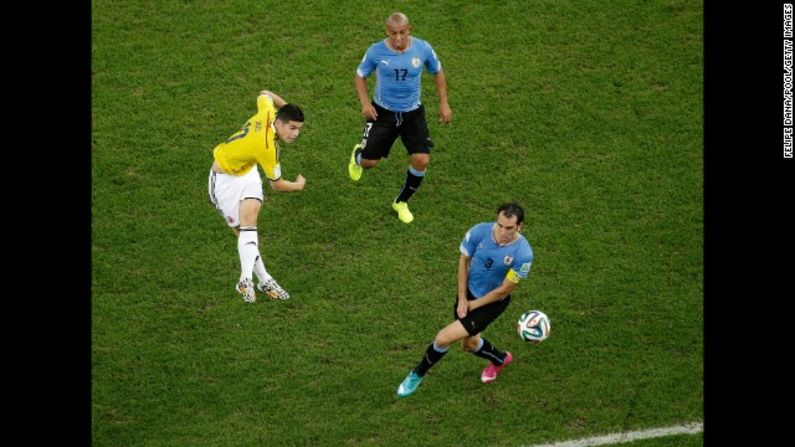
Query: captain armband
x=513, y=277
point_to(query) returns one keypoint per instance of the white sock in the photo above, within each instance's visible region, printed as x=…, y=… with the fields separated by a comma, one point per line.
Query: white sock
x=259, y=269
x=248, y=250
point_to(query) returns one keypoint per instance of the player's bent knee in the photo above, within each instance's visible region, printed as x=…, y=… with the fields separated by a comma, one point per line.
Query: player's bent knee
x=420, y=161
x=469, y=345
x=443, y=341
x=367, y=164
x=446, y=338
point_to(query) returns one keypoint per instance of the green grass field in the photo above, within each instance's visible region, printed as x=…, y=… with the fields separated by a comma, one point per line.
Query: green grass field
x=588, y=113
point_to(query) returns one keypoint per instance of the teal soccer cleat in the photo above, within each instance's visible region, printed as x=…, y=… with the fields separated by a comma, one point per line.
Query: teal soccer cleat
x=409, y=384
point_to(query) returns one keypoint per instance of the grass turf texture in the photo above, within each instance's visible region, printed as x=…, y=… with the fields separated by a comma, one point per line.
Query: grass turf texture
x=587, y=113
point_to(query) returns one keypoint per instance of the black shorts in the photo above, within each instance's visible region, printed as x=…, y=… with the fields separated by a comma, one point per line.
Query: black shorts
x=479, y=319
x=379, y=135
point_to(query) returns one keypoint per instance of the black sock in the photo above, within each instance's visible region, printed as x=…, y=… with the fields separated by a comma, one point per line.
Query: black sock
x=410, y=185
x=429, y=359
x=489, y=352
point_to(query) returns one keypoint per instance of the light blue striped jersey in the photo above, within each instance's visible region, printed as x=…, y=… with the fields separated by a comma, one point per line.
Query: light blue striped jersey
x=491, y=262
x=398, y=75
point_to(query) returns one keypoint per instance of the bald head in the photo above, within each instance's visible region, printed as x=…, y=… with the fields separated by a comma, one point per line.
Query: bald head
x=398, y=31
x=397, y=19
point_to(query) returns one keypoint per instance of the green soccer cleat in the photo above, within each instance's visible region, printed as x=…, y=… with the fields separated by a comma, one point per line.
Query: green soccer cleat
x=409, y=384
x=354, y=170
x=402, y=209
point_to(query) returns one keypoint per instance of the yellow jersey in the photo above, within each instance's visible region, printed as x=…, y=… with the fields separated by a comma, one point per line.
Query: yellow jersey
x=252, y=144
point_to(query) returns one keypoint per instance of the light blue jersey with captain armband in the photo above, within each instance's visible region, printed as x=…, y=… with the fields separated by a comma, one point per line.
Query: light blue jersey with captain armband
x=493, y=263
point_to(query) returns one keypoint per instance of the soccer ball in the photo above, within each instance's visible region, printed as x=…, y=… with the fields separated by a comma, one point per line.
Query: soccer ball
x=534, y=326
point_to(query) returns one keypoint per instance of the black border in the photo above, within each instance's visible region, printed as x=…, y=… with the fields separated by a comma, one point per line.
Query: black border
x=748, y=236
x=63, y=80
x=748, y=232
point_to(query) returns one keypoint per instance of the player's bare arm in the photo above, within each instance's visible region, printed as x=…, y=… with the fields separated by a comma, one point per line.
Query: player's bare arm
x=463, y=275
x=497, y=294
x=288, y=186
x=277, y=100
x=445, y=114
x=368, y=111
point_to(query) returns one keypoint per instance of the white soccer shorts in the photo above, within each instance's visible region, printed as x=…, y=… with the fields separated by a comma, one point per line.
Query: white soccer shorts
x=226, y=192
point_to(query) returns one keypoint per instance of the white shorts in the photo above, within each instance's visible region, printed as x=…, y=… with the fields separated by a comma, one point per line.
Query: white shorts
x=226, y=192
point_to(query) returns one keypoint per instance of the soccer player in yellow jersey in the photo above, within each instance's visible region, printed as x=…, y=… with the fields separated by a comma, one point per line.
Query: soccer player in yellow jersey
x=235, y=186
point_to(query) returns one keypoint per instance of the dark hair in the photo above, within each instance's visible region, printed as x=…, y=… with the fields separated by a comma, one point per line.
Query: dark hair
x=290, y=112
x=512, y=209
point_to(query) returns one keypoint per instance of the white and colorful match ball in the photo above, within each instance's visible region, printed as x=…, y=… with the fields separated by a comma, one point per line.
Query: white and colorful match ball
x=534, y=326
